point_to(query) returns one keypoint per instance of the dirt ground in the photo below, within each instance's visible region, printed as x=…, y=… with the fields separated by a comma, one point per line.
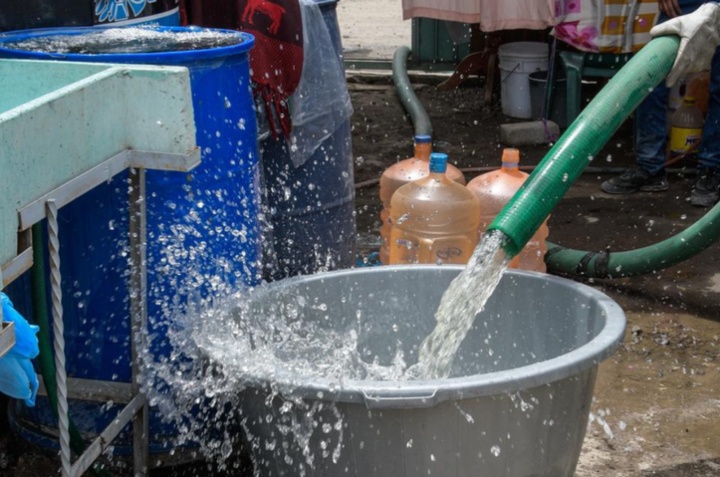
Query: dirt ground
x=657, y=400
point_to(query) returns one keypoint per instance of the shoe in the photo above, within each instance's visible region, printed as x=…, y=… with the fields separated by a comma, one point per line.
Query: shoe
x=636, y=179
x=706, y=190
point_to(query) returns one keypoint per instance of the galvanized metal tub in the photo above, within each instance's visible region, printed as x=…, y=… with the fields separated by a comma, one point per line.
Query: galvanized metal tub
x=516, y=404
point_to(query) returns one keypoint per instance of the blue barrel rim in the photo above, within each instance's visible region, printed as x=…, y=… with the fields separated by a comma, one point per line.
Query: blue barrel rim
x=158, y=57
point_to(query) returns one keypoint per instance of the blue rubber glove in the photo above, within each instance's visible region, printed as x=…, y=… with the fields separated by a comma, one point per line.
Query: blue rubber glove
x=17, y=375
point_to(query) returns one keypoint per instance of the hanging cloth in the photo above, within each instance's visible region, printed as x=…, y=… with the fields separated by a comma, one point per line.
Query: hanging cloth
x=277, y=59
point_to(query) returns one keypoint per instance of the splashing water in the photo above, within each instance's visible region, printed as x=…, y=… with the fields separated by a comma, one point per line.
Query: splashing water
x=226, y=346
x=462, y=301
x=242, y=341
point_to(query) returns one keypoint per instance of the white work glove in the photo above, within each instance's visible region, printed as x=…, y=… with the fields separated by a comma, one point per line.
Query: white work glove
x=699, y=34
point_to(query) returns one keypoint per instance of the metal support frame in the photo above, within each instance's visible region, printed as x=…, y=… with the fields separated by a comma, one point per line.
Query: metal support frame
x=58, y=336
x=7, y=336
x=136, y=411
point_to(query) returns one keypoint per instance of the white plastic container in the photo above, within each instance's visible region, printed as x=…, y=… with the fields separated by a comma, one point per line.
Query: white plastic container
x=517, y=61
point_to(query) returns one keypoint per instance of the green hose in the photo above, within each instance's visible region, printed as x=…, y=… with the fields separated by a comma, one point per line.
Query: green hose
x=564, y=163
x=682, y=246
x=568, y=158
x=405, y=92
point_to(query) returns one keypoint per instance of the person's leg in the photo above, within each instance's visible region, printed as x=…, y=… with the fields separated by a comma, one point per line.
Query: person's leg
x=650, y=140
x=651, y=130
x=706, y=190
x=651, y=115
x=650, y=136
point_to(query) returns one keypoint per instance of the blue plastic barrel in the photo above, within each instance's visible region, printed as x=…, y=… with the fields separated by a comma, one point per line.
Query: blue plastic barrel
x=202, y=228
x=127, y=12
x=312, y=207
x=24, y=14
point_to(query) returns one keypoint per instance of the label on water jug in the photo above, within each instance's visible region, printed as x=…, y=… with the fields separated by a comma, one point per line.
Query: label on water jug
x=405, y=251
x=448, y=253
x=683, y=140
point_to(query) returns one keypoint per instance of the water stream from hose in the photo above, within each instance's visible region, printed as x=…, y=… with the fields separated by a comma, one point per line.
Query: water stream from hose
x=462, y=301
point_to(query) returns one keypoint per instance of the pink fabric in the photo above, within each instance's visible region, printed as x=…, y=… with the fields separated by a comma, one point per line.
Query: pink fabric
x=492, y=15
x=606, y=26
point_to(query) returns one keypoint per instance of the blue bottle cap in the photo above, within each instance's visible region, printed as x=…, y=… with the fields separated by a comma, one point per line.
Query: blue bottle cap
x=422, y=138
x=438, y=162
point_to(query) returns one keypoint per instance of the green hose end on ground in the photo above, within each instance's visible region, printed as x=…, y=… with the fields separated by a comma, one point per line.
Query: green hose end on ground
x=564, y=163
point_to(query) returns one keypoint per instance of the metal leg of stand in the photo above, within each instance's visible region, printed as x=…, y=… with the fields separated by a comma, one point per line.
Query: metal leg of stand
x=58, y=337
x=46, y=206
x=138, y=313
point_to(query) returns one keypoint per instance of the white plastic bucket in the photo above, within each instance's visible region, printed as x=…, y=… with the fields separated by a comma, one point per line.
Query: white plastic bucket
x=517, y=61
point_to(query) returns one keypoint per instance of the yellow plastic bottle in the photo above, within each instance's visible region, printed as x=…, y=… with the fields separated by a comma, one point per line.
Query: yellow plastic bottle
x=686, y=125
x=401, y=173
x=434, y=219
x=494, y=190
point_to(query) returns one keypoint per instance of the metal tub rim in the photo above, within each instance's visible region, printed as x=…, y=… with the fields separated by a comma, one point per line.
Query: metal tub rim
x=429, y=393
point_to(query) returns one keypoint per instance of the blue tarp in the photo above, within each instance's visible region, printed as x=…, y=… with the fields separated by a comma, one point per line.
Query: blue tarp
x=17, y=376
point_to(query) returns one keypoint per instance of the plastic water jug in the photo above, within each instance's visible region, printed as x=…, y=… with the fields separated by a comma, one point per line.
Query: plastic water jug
x=401, y=173
x=696, y=85
x=494, y=190
x=434, y=219
x=686, y=125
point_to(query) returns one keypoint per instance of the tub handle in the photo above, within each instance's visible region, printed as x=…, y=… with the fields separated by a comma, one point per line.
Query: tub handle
x=400, y=399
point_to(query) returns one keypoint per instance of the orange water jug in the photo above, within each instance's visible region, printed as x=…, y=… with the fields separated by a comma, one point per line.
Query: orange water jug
x=494, y=190
x=434, y=219
x=401, y=173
